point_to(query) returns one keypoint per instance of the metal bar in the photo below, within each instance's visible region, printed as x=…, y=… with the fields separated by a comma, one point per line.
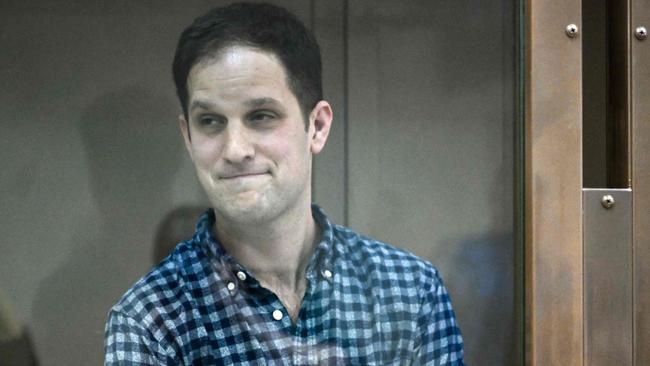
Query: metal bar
x=640, y=80
x=608, y=276
x=553, y=184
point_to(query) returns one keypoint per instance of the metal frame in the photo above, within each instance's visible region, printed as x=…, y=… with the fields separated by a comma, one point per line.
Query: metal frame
x=553, y=184
x=562, y=327
x=608, y=276
x=640, y=137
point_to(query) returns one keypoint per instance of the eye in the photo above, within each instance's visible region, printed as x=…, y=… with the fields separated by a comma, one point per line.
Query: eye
x=209, y=123
x=262, y=116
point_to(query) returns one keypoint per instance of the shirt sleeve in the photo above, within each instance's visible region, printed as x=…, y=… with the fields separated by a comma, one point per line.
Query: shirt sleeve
x=440, y=341
x=127, y=342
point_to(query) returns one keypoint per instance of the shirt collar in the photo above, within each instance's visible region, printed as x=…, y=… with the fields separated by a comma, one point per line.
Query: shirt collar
x=322, y=260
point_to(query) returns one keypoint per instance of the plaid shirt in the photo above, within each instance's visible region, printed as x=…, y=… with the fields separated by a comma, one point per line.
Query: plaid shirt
x=366, y=303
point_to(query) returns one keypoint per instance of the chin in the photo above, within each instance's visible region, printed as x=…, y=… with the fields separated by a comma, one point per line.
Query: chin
x=246, y=211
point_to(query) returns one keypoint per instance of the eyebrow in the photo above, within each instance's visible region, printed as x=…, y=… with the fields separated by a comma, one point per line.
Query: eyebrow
x=251, y=103
x=201, y=104
x=258, y=102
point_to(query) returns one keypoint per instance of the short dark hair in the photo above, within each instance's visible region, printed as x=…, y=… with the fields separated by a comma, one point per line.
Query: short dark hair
x=263, y=26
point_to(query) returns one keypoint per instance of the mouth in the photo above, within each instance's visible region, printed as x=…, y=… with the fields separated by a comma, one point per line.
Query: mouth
x=236, y=176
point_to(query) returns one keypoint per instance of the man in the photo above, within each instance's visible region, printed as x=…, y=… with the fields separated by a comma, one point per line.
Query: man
x=267, y=279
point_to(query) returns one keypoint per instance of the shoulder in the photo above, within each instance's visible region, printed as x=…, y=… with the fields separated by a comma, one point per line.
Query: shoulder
x=383, y=263
x=164, y=287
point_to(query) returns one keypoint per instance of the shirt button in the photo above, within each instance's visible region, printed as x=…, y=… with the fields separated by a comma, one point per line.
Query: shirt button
x=327, y=274
x=241, y=275
x=231, y=286
x=277, y=315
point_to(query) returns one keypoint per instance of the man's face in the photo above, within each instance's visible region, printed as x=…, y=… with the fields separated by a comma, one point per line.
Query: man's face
x=247, y=136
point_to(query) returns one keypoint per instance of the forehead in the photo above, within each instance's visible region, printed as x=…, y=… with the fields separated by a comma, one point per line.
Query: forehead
x=236, y=68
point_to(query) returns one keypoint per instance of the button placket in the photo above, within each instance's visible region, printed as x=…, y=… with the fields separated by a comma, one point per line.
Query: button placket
x=239, y=278
x=299, y=352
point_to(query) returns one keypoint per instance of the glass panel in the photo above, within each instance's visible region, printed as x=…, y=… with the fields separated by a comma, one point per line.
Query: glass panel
x=432, y=130
x=93, y=164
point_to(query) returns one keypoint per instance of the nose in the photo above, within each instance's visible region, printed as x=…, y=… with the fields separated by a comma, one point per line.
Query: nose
x=238, y=146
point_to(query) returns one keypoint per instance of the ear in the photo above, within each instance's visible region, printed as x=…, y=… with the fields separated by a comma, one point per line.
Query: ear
x=185, y=131
x=320, y=121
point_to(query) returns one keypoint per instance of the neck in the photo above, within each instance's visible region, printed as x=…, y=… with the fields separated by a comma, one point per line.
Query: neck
x=276, y=252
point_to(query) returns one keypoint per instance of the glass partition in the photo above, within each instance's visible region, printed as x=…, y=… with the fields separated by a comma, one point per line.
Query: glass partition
x=424, y=154
x=431, y=132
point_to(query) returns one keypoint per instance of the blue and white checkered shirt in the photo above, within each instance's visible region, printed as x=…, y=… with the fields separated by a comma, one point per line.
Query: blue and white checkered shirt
x=366, y=303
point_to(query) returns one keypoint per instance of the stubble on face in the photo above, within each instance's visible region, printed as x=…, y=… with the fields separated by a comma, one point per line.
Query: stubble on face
x=255, y=165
